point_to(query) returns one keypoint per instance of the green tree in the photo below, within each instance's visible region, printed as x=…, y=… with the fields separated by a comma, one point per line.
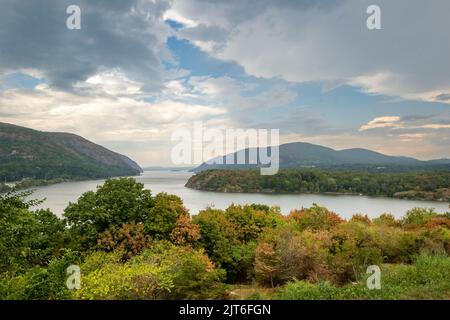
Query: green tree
x=116, y=202
x=27, y=238
x=229, y=237
x=251, y=220
x=315, y=218
x=163, y=216
x=217, y=235
x=418, y=216
x=40, y=283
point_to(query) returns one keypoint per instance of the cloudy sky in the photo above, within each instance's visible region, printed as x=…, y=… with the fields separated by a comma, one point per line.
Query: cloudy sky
x=138, y=70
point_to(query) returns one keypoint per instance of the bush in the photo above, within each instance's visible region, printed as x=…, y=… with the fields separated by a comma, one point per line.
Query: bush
x=418, y=217
x=435, y=241
x=40, y=283
x=229, y=237
x=303, y=290
x=193, y=274
x=361, y=218
x=386, y=219
x=286, y=254
x=128, y=240
x=427, y=278
x=125, y=282
x=164, y=271
x=251, y=221
x=315, y=218
x=98, y=259
x=396, y=245
x=352, y=249
x=436, y=222
x=185, y=232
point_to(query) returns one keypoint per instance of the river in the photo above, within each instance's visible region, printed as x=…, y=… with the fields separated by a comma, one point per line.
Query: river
x=59, y=195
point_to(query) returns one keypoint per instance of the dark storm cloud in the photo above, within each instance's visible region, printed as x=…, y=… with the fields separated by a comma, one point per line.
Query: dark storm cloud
x=238, y=10
x=126, y=35
x=235, y=12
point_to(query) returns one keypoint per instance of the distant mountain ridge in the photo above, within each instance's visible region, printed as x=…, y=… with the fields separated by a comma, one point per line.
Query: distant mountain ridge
x=28, y=153
x=302, y=154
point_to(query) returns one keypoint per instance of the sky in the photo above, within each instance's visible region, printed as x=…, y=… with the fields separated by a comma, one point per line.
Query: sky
x=139, y=70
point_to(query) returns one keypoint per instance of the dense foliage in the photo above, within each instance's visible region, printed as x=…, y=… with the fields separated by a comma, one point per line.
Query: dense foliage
x=429, y=185
x=130, y=244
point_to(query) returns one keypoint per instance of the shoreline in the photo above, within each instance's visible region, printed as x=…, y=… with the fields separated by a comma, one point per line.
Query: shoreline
x=30, y=184
x=58, y=197
x=320, y=193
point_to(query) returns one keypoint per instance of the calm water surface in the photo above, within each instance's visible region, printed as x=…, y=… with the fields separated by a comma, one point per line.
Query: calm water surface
x=58, y=197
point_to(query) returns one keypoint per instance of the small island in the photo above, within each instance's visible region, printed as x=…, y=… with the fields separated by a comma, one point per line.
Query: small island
x=418, y=185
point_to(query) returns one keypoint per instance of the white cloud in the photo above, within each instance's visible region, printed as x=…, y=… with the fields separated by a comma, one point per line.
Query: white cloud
x=99, y=82
x=407, y=137
x=214, y=86
x=396, y=123
x=435, y=126
x=382, y=122
x=111, y=82
x=107, y=117
x=175, y=16
x=300, y=41
x=241, y=95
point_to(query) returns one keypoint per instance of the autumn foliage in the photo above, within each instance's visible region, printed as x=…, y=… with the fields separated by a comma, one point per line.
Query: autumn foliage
x=131, y=244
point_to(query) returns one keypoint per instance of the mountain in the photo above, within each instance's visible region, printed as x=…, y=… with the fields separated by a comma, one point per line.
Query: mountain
x=301, y=154
x=28, y=153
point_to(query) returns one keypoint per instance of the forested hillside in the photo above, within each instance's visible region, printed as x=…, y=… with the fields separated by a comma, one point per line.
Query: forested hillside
x=301, y=155
x=27, y=153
